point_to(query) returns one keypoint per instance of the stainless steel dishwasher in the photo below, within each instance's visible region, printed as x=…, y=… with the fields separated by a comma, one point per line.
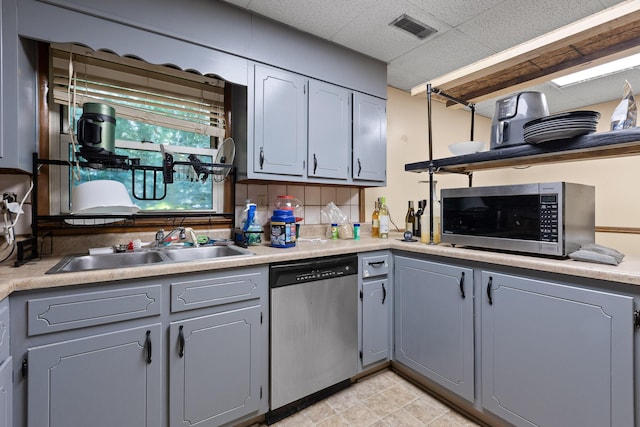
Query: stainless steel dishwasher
x=314, y=327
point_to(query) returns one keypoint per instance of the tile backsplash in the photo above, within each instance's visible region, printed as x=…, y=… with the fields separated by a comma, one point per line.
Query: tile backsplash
x=313, y=199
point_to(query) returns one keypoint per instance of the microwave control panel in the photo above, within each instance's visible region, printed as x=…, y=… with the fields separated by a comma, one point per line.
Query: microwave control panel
x=549, y=217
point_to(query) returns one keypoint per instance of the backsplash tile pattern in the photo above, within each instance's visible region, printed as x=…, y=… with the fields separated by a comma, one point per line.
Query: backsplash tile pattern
x=313, y=198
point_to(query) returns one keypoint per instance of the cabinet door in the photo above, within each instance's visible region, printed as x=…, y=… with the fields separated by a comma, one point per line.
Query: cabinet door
x=376, y=320
x=369, y=138
x=214, y=363
x=329, y=151
x=280, y=128
x=6, y=393
x=434, y=322
x=112, y=379
x=556, y=355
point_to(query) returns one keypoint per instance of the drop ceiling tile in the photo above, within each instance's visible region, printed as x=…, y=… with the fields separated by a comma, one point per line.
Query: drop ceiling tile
x=514, y=22
x=455, y=12
x=371, y=33
x=442, y=54
x=321, y=18
x=241, y=3
x=403, y=79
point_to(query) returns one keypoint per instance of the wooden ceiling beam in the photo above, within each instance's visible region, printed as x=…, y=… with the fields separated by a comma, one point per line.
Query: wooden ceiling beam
x=599, y=38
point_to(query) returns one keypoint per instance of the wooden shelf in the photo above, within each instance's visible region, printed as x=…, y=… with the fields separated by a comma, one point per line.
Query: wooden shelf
x=599, y=38
x=618, y=143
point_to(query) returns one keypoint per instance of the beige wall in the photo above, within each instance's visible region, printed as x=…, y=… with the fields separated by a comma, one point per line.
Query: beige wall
x=616, y=180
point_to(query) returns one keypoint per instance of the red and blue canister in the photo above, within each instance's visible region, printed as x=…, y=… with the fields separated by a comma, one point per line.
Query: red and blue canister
x=283, y=229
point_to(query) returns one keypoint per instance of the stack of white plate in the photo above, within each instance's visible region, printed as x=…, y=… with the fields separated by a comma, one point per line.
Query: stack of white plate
x=560, y=126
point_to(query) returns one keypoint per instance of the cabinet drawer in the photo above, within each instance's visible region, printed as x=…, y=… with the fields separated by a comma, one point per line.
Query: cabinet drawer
x=79, y=310
x=375, y=265
x=4, y=329
x=216, y=289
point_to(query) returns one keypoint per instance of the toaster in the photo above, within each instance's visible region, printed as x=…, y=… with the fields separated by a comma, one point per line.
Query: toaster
x=512, y=112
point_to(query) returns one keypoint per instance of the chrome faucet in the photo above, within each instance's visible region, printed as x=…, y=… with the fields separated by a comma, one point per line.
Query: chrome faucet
x=182, y=235
x=159, y=237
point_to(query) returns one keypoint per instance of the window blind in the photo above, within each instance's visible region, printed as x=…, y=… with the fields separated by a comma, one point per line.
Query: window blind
x=154, y=94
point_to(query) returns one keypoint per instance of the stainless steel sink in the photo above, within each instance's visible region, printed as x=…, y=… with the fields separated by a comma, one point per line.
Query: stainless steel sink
x=204, y=252
x=75, y=263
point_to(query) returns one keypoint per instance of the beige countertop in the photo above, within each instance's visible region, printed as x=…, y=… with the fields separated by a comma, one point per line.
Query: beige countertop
x=32, y=275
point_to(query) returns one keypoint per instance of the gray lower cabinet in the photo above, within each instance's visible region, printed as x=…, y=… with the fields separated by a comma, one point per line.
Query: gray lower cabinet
x=104, y=380
x=434, y=331
x=6, y=376
x=376, y=299
x=218, y=347
x=213, y=364
x=189, y=349
x=6, y=394
x=556, y=355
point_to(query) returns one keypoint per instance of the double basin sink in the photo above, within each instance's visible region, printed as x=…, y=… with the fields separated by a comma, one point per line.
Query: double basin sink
x=76, y=263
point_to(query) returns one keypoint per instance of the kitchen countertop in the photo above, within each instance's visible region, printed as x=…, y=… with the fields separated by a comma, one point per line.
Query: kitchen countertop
x=32, y=275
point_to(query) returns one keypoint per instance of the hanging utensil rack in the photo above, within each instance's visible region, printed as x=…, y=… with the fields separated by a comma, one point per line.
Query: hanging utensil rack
x=159, y=176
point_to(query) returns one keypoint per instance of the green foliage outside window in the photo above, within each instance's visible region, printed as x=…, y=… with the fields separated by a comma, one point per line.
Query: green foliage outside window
x=184, y=194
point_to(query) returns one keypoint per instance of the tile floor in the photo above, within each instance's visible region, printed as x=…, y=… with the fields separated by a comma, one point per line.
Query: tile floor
x=381, y=400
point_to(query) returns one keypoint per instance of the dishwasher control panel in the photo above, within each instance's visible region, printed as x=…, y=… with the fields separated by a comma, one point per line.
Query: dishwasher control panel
x=312, y=270
x=323, y=274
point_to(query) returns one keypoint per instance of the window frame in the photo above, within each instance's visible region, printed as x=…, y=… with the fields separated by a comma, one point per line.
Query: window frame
x=51, y=123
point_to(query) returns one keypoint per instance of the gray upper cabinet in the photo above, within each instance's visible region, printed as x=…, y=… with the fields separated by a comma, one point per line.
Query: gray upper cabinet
x=329, y=153
x=17, y=94
x=303, y=130
x=556, y=355
x=105, y=380
x=369, y=139
x=434, y=322
x=280, y=122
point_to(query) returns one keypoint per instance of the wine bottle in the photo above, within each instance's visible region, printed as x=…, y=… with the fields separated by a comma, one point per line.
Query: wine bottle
x=418, y=225
x=384, y=218
x=410, y=219
x=375, y=220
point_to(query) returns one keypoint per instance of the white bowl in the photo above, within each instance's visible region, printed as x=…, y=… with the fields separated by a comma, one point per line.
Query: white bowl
x=102, y=197
x=466, y=147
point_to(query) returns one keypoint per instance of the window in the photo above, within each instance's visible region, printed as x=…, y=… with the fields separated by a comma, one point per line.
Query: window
x=154, y=105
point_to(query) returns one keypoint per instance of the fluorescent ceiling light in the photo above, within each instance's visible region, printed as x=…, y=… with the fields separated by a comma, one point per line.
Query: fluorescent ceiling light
x=599, y=71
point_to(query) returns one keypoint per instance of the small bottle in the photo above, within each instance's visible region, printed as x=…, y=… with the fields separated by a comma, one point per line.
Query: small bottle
x=436, y=221
x=418, y=225
x=425, y=231
x=375, y=221
x=356, y=231
x=384, y=218
x=436, y=215
x=334, y=231
x=410, y=219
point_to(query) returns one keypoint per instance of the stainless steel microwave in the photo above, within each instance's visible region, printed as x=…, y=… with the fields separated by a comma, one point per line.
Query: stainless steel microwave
x=548, y=219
